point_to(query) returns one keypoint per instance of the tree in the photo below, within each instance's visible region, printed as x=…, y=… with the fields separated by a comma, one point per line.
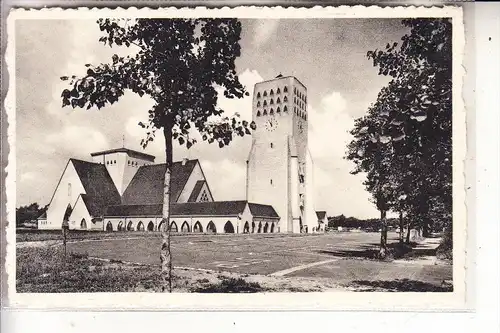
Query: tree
x=29, y=213
x=403, y=144
x=180, y=64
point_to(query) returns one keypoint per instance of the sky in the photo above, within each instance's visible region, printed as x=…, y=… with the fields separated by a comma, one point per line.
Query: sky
x=327, y=55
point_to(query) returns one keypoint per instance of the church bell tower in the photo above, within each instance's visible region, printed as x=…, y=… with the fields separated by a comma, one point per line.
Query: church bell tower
x=277, y=163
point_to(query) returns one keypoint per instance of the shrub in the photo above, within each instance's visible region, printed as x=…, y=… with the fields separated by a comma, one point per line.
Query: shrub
x=445, y=249
x=230, y=285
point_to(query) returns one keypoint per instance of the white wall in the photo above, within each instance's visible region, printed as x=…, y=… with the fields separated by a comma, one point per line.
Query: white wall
x=311, y=219
x=62, y=197
x=195, y=176
x=79, y=213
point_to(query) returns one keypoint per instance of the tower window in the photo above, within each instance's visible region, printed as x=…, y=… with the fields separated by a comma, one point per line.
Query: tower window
x=271, y=93
x=271, y=181
x=278, y=91
x=278, y=110
x=285, y=109
x=69, y=189
x=258, y=95
x=294, y=91
x=295, y=100
x=264, y=113
x=265, y=93
x=278, y=100
x=305, y=117
x=271, y=112
x=107, y=162
x=258, y=103
x=258, y=113
x=285, y=99
x=271, y=145
x=285, y=89
x=271, y=102
x=265, y=103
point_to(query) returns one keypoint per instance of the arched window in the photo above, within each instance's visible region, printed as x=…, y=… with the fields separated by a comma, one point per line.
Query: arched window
x=197, y=227
x=258, y=113
x=266, y=226
x=130, y=226
x=271, y=112
x=83, y=224
x=185, y=227
x=140, y=226
x=285, y=89
x=246, y=227
x=258, y=103
x=173, y=227
x=120, y=227
x=305, y=117
x=272, y=228
x=258, y=95
x=285, y=99
x=228, y=227
x=285, y=109
x=295, y=100
x=278, y=100
x=161, y=226
x=211, y=229
x=271, y=102
x=265, y=93
x=278, y=110
x=109, y=226
x=278, y=91
x=265, y=103
x=294, y=91
x=253, y=227
x=151, y=226
x=271, y=93
x=271, y=145
x=259, y=229
x=264, y=113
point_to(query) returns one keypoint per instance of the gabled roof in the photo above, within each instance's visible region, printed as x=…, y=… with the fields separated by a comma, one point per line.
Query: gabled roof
x=99, y=187
x=129, y=152
x=43, y=216
x=321, y=214
x=215, y=208
x=146, y=188
x=259, y=210
x=196, y=191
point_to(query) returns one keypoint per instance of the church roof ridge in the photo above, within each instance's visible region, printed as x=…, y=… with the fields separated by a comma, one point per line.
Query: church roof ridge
x=131, y=152
x=283, y=77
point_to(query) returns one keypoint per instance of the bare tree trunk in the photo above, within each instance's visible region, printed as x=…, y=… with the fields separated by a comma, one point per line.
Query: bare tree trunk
x=165, y=253
x=408, y=227
x=383, y=235
x=401, y=227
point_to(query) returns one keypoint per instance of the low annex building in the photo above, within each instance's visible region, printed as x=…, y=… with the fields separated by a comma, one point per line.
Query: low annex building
x=122, y=190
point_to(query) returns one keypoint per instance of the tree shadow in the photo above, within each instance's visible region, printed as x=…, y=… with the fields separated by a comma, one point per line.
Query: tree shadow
x=396, y=251
x=230, y=285
x=404, y=285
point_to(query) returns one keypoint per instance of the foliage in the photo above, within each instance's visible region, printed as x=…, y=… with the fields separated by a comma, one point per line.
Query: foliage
x=29, y=213
x=231, y=285
x=403, y=144
x=181, y=64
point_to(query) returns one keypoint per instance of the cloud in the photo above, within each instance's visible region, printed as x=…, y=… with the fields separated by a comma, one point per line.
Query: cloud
x=28, y=176
x=77, y=139
x=336, y=190
x=226, y=178
x=264, y=30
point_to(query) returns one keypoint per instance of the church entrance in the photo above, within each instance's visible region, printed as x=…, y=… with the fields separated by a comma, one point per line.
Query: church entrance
x=151, y=226
x=83, y=224
x=211, y=228
x=246, y=228
x=109, y=226
x=198, y=227
x=228, y=228
x=140, y=226
x=185, y=227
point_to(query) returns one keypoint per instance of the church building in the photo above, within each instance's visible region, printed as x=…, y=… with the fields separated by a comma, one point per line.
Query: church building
x=122, y=189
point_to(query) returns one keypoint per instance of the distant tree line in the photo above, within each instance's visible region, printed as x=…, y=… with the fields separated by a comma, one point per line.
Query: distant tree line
x=373, y=224
x=29, y=213
x=404, y=143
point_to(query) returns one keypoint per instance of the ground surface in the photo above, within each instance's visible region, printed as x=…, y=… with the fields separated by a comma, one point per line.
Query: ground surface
x=340, y=258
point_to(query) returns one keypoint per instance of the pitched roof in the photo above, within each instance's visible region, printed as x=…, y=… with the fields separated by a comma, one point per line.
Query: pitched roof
x=215, y=208
x=321, y=214
x=99, y=187
x=196, y=191
x=130, y=152
x=146, y=188
x=260, y=210
x=43, y=216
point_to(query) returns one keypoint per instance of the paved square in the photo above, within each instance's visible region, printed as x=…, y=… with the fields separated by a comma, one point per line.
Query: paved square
x=282, y=255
